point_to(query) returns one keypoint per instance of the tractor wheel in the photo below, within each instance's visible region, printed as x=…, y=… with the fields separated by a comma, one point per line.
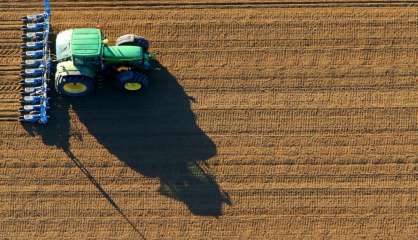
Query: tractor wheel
x=133, y=40
x=132, y=81
x=74, y=85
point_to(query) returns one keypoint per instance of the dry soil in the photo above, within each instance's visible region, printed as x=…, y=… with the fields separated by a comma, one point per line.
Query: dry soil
x=268, y=120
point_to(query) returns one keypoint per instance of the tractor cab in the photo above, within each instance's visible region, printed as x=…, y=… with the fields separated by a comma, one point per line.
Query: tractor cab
x=83, y=46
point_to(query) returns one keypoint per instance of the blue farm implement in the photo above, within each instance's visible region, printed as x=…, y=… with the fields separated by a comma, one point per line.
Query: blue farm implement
x=36, y=66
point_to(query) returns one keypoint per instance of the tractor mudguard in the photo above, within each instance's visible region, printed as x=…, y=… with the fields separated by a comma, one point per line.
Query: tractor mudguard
x=68, y=68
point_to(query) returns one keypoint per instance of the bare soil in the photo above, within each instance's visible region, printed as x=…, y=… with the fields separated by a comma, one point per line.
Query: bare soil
x=268, y=120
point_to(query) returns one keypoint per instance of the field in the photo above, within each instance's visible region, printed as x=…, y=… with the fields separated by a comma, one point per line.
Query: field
x=268, y=120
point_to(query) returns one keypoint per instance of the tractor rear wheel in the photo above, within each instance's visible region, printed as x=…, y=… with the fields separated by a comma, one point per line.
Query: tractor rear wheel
x=132, y=81
x=74, y=85
x=133, y=40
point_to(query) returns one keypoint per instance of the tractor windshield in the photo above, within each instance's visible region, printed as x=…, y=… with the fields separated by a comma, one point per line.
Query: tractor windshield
x=63, y=45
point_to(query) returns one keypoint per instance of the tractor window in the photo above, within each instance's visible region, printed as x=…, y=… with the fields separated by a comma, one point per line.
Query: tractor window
x=86, y=61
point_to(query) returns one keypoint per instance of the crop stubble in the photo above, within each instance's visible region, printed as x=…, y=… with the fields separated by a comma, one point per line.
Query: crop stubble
x=313, y=111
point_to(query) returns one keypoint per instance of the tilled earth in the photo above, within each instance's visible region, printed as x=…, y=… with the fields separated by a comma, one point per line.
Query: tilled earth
x=268, y=120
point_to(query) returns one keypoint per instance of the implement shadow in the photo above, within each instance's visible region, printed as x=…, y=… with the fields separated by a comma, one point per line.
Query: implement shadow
x=154, y=133
x=57, y=133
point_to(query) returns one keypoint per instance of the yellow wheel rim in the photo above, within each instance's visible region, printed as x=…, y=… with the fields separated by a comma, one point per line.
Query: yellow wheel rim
x=75, y=87
x=132, y=86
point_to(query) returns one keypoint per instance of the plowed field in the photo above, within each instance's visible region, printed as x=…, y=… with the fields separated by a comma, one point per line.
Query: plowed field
x=268, y=120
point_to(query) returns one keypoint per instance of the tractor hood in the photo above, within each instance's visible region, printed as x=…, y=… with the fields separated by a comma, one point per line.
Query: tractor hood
x=117, y=54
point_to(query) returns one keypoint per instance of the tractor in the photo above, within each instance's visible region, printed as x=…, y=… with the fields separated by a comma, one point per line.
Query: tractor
x=83, y=59
x=83, y=55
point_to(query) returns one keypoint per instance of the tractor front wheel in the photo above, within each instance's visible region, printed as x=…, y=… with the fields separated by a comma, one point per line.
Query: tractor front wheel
x=74, y=85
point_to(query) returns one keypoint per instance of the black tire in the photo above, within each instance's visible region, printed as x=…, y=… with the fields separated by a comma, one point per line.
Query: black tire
x=74, y=85
x=133, y=40
x=132, y=78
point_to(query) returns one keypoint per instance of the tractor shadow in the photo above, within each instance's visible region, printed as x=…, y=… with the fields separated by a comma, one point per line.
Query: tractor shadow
x=154, y=133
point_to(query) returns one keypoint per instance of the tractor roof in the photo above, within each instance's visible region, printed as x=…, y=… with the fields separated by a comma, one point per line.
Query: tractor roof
x=86, y=42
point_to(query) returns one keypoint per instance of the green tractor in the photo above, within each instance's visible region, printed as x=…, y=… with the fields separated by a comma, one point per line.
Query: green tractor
x=84, y=56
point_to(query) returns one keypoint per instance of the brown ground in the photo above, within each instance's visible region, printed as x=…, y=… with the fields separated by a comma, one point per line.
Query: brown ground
x=270, y=120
